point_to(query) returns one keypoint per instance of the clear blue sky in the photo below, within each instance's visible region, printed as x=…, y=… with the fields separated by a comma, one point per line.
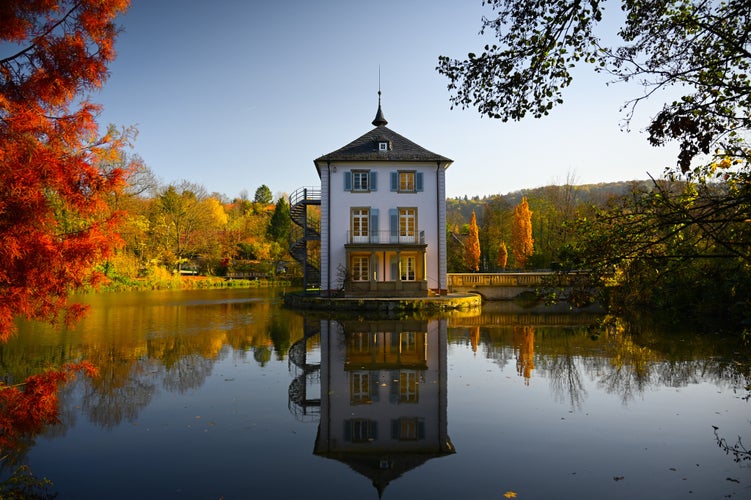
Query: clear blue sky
x=233, y=94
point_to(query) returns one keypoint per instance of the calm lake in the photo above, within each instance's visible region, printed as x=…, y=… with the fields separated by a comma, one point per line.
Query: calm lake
x=211, y=394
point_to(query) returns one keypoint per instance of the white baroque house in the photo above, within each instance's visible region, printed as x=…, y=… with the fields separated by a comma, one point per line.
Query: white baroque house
x=382, y=218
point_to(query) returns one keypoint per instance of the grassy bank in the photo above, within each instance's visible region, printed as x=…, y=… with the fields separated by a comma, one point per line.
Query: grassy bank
x=175, y=282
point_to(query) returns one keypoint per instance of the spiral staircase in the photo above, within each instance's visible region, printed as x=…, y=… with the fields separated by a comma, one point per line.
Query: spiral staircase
x=304, y=406
x=307, y=230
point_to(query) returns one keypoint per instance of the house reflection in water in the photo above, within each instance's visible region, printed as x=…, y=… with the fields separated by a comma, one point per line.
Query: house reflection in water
x=383, y=395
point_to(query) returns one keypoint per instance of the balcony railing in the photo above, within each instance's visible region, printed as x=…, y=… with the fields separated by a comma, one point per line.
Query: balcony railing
x=386, y=238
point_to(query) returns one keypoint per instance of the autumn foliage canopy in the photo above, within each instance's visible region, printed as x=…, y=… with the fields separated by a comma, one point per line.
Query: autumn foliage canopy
x=54, y=225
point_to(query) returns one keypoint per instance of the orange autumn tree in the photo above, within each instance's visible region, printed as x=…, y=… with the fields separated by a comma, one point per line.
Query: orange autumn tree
x=502, y=255
x=472, y=247
x=53, y=223
x=522, y=244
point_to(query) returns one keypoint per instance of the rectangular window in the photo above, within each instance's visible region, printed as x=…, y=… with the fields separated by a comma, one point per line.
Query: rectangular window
x=359, y=343
x=360, y=180
x=407, y=264
x=408, y=429
x=407, y=225
x=408, y=386
x=359, y=387
x=406, y=181
x=360, y=430
x=360, y=267
x=407, y=342
x=360, y=225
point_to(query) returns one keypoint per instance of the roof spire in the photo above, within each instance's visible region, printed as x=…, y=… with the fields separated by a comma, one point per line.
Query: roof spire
x=379, y=119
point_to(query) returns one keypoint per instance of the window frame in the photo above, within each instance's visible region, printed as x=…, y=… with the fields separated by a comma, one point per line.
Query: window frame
x=357, y=263
x=409, y=387
x=406, y=181
x=359, y=387
x=401, y=180
x=408, y=267
x=407, y=224
x=360, y=181
x=360, y=231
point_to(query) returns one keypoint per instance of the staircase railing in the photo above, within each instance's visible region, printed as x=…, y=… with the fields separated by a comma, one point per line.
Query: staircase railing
x=299, y=201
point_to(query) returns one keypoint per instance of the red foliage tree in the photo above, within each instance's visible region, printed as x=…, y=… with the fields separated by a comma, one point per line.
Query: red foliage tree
x=27, y=408
x=54, y=225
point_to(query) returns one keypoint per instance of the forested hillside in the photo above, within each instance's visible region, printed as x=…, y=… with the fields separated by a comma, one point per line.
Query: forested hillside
x=554, y=208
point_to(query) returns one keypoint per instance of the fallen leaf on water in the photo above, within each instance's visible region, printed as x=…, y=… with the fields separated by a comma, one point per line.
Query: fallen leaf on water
x=618, y=478
x=510, y=494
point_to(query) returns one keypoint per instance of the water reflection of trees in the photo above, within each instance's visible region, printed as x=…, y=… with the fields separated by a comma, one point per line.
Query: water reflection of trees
x=622, y=360
x=141, y=348
x=113, y=398
x=565, y=378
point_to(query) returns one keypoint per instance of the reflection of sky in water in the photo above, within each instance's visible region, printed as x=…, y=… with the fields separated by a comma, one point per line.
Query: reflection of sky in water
x=197, y=408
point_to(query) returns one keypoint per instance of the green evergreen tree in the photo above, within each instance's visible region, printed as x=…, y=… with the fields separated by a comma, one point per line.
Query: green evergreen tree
x=263, y=195
x=280, y=224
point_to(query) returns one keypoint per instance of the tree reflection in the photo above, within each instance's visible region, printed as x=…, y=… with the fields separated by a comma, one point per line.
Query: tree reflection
x=27, y=408
x=738, y=451
x=566, y=381
x=622, y=358
x=524, y=343
x=186, y=373
x=113, y=397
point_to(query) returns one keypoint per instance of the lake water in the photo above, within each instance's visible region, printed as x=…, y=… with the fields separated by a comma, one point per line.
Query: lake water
x=211, y=394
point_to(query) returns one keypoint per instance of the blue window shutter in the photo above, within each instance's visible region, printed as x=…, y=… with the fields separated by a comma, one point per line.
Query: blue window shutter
x=372, y=180
x=421, y=429
x=348, y=181
x=395, y=428
x=348, y=430
x=394, y=222
x=394, y=389
x=418, y=181
x=374, y=225
x=374, y=386
x=394, y=181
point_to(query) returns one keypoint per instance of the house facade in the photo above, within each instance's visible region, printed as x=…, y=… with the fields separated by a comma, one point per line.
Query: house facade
x=383, y=217
x=383, y=388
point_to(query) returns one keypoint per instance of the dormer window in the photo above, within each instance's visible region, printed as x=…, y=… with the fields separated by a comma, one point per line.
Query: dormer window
x=383, y=146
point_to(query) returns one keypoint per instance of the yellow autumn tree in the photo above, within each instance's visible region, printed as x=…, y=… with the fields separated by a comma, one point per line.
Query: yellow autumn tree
x=522, y=244
x=502, y=256
x=472, y=246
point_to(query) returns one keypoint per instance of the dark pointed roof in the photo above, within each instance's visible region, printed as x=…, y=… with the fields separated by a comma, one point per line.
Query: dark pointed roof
x=365, y=148
x=379, y=120
x=369, y=464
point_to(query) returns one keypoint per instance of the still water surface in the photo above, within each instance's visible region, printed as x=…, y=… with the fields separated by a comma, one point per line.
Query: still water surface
x=225, y=394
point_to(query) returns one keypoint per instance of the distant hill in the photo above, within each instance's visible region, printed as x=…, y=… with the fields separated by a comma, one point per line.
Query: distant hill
x=459, y=209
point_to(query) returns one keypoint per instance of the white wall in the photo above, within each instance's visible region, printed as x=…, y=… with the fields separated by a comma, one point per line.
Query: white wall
x=429, y=203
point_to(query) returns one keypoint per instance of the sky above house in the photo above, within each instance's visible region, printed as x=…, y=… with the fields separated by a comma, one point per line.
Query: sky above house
x=232, y=94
